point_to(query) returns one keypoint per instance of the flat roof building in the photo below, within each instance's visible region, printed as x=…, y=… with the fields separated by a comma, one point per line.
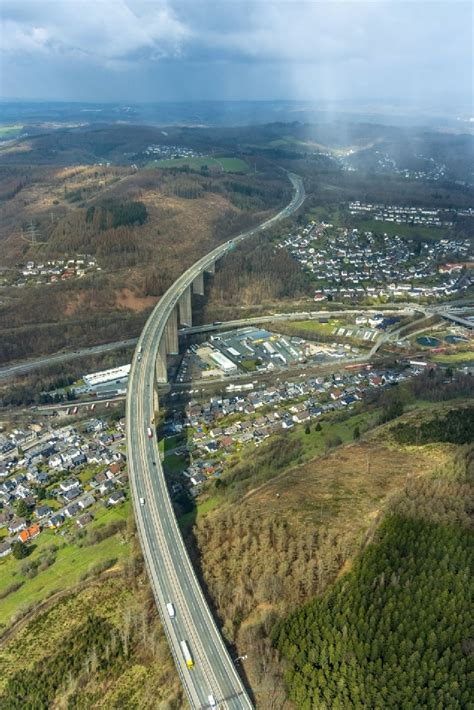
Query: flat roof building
x=100, y=378
x=223, y=362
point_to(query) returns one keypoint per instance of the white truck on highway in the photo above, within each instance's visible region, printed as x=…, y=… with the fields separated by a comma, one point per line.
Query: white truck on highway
x=187, y=654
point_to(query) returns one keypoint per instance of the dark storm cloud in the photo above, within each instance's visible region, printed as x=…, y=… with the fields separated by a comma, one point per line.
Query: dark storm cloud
x=179, y=49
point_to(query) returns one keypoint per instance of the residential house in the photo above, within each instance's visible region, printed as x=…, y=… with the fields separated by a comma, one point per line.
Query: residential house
x=72, y=494
x=98, y=479
x=17, y=525
x=5, y=549
x=107, y=487
x=114, y=468
x=56, y=461
x=56, y=521
x=116, y=497
x=30, y=533
x=197, y=478
x=69, y=484
x=87, y=501
x=72, y=510
x=43, y=511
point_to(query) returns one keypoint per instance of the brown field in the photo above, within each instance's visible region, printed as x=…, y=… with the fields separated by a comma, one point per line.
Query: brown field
x=346, y=488
x=290, y=538
x=127, y=299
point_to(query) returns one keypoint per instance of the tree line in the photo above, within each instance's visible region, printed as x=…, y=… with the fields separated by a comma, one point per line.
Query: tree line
x=394, y=632
x=456, y=427
x=397, y=630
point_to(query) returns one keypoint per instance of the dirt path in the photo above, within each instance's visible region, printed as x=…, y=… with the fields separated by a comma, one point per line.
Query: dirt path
x=51, y=601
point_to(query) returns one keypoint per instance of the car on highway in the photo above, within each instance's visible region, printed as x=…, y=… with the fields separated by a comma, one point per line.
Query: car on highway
x=142, y=501
x=211, y=700
x=170, y=609
x=149, y=432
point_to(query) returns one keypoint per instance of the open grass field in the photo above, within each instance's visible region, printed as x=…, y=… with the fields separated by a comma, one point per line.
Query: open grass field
x=315, y=443
x=334, y=216
x=70, y=565
x=11, y=130
x=454, y=358
x=227, y=165
x=346, y=488
x=331, y=215
x=313, y=327
x=187, y=520
x=404, y=230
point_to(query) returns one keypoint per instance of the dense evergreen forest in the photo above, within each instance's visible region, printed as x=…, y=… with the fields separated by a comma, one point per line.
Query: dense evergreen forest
x=112, y=213
x=396, y=632
x=457, y=427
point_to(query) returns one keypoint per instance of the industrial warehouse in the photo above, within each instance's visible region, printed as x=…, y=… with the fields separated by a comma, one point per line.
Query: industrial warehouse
x=250, y=350
x=116, y=375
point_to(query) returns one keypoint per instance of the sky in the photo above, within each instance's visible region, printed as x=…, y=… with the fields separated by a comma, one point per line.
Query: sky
x=412, y=51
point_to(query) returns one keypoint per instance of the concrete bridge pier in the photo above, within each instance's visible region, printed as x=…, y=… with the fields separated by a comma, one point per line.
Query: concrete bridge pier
x=171, y=334
x=185, y=308
x=161, y=367
x=198, y=285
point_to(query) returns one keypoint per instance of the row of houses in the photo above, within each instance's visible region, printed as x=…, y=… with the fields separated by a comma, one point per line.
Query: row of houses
x=402, y=215
x=223, y=423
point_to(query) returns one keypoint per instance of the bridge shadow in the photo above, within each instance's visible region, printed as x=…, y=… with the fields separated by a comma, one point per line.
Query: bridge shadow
x=195, y=555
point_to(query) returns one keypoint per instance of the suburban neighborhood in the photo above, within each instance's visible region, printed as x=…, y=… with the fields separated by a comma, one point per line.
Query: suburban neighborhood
x=51, y=476
x=349, y=265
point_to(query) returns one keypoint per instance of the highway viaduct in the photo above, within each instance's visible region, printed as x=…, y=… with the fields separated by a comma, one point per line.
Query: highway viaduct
x=192, y=282
x=171, y=574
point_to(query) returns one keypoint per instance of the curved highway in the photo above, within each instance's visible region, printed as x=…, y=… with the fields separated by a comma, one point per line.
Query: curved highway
x=170, y=571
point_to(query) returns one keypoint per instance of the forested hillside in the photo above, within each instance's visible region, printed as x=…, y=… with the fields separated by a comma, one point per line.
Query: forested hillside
x=280, y=533
x=142, y=229
x=256, y=275
x=397, y=630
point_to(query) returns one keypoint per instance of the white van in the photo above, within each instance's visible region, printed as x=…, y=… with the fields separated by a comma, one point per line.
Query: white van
x=211, y=701
x=171, y=610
